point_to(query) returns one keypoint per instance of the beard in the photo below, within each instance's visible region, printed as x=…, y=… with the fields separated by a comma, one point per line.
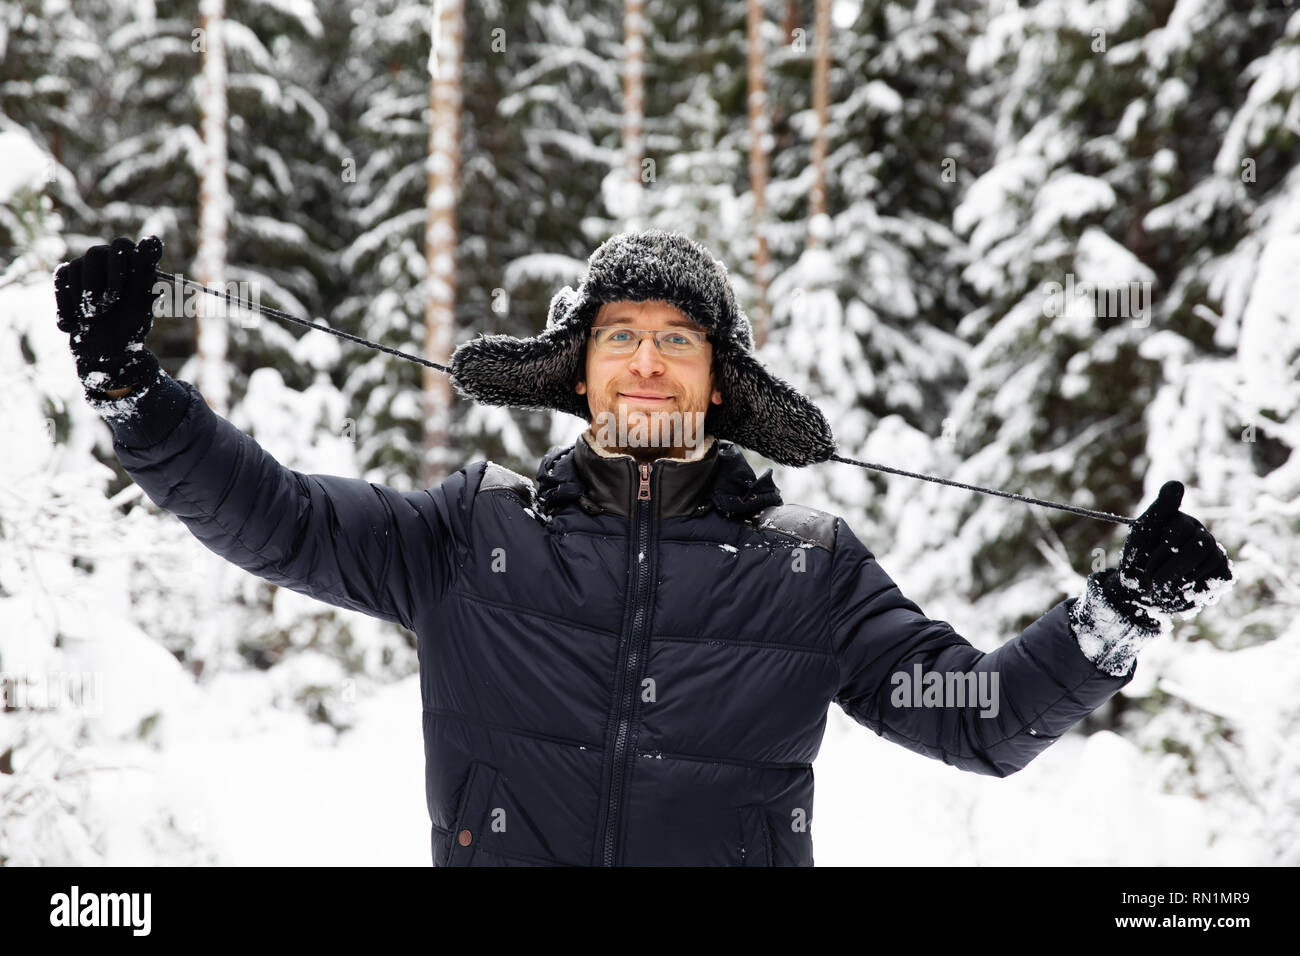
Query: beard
x=648, y=430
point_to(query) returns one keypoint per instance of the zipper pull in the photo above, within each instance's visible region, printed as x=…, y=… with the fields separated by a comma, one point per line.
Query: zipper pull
x=643, y=493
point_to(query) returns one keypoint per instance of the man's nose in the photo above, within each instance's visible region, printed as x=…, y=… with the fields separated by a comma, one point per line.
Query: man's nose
x=646, y=360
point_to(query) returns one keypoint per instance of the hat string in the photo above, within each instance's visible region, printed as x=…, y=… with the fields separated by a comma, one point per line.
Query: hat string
x=284, y=316
x=277, y=314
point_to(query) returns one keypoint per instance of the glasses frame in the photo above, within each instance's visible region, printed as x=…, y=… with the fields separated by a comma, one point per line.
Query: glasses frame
x=654, y=333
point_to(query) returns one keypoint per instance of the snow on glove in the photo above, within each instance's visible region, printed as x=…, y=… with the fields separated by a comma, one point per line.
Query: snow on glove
x=1170, y=564
x=105, y=304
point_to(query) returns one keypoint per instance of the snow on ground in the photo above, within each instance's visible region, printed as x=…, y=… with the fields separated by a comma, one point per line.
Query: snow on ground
x=1085, y=801
x=253, y=785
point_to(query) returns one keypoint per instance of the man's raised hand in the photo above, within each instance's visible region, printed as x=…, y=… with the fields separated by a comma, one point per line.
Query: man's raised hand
x=105, y=301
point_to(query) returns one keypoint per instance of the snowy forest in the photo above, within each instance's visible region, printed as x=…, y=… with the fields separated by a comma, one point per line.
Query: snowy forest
x=1046, y=247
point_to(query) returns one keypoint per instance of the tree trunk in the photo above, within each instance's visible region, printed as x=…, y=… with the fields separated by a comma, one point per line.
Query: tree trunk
x=760, y=144
x=443, y=168
x=791, y=21
x=211, y=314
x=633, y=107
x=818, y=227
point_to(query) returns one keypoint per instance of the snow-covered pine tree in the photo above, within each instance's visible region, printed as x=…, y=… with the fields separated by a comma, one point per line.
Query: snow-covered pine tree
x=1145, y=159
x=53, y=71
x=696, y=127
x=868, y=320
x=282, y=150
x=384, y=82
x=1052, y=406
x=82, y=686
x=284, y=158
x=538, y=134
x=1226, y=415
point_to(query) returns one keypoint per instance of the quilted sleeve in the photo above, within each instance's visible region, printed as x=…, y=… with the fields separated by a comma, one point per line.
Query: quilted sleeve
x=917, y=682
x=348, y=542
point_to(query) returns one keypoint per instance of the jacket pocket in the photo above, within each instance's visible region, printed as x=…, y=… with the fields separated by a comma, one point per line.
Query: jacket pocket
x=755, y=837
x=473, y=814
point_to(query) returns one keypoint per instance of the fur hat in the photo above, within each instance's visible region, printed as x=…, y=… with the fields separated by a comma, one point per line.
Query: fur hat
x=759, y=411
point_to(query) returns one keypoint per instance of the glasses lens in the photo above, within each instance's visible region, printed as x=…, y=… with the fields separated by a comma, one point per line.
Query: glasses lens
x=626, y=341
x=617, y=340
x=678, y=342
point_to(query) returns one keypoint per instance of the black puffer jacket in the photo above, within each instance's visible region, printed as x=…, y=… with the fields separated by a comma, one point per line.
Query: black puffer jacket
x=621, y=664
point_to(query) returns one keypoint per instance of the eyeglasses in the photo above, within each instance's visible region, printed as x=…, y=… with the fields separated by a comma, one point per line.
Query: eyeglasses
x=618, y=340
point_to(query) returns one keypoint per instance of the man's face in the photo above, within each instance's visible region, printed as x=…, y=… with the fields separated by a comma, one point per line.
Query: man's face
x=648, y=388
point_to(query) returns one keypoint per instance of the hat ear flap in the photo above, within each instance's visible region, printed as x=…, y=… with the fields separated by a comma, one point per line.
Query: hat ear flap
x=561, y=308
x=764, y=413
x=523, y=373
x=742, y=333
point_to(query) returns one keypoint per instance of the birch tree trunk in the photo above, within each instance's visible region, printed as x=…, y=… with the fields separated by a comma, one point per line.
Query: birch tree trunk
x=440, y=238
x=817, y=225
x=443, y=168
x=212, y=377
x=791, y=21
x=760, y=145
x=633, y=106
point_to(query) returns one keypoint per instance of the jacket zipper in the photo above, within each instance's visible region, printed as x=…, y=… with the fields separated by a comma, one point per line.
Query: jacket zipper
x=631, y=662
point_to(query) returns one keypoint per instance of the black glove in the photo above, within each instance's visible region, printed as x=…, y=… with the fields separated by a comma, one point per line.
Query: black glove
x=105, y=303
x=1169, y=564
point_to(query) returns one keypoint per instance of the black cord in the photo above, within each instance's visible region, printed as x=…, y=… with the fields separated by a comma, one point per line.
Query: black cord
x=276, y=313
x=1100, y=515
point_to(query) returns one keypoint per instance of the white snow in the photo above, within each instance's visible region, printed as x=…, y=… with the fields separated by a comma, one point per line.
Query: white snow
x=922, y=334
x=25, y=164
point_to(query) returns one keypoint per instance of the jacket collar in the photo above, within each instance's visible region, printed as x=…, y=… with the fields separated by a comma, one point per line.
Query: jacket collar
x=720, y=479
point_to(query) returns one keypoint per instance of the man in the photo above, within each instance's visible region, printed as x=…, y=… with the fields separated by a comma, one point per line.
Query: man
x=630, y=660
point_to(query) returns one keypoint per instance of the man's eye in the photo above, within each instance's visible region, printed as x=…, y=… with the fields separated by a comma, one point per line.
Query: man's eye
x=678, y=339
x=614, y=336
